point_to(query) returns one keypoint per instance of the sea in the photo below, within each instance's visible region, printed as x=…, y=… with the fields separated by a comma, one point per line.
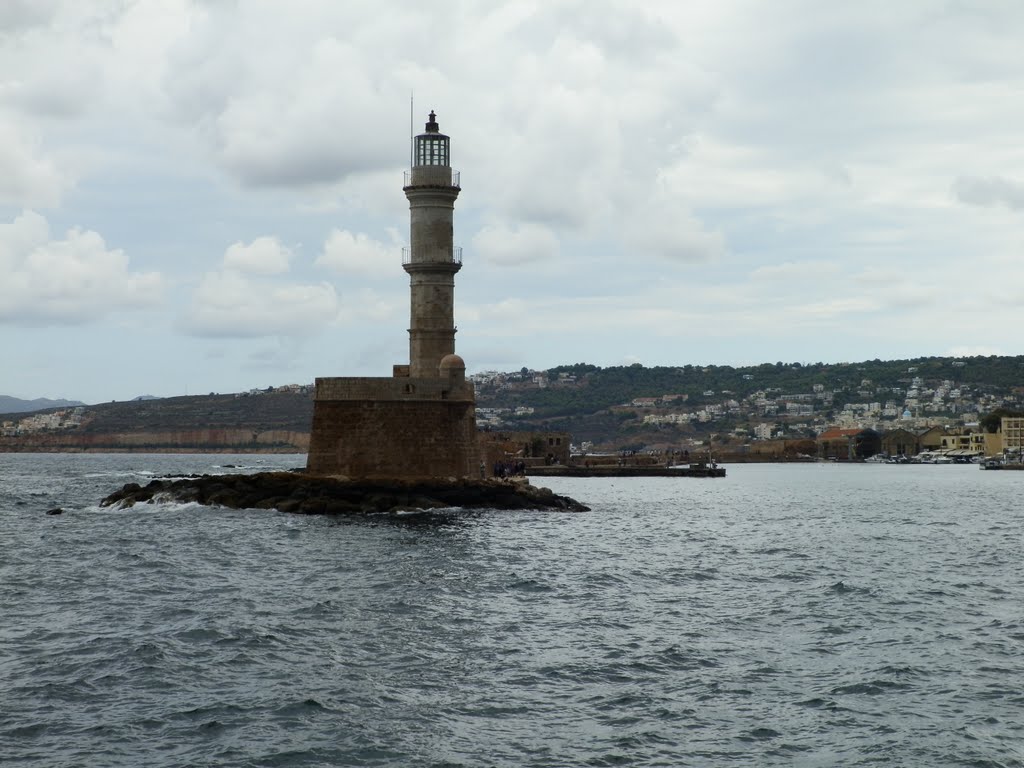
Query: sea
x=785, y=615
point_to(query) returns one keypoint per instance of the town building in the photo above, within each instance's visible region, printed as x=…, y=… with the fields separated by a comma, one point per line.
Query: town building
x=900, y=442
x=503, y=448
x=1012, y=428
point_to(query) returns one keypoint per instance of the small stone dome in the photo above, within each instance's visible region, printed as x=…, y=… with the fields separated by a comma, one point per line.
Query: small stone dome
x=449, y=362
x=452, y=367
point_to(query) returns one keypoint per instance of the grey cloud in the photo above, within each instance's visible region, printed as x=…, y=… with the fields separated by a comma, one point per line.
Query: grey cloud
x=16, y=15
x=282, y=354
x=297, y=163
x=280, y=126
x=989, y=191
x=621, y=30
x=54, y=92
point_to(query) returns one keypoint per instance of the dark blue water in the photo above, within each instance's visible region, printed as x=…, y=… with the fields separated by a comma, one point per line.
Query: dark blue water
x=807, y=615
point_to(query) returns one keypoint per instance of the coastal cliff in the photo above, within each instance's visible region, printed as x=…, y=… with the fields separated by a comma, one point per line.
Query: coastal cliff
x=169, y=441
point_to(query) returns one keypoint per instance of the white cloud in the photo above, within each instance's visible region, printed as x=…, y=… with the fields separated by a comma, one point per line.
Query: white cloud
x=247, y=297
x=791, y=270
x=357, y=253
x=511, y=246
x=369, y=308
x=674, y=233
x=229, y=304
x=880, y=277
x=73, y=280
x=838, y=307
x=28, y=175
x=250, y=297
x=263, y=256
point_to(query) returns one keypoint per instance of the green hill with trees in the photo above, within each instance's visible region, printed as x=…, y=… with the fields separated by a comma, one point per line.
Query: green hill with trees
x=593, y=403
x=598, y=388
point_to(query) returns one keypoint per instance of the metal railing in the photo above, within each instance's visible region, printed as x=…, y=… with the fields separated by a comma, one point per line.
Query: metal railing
x=432, y=176
x=456, y=257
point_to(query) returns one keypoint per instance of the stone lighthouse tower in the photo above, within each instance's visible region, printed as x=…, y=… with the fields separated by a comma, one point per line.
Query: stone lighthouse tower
x=431, y=260
x=420, y=422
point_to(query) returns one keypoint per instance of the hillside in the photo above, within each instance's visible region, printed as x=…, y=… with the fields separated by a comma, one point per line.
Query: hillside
x=613, y=408
x=271, y=421
x=596, y=388
x=797, y=399
x=270, y=411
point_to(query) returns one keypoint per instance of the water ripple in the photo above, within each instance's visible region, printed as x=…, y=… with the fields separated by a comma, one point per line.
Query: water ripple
x=782, y=617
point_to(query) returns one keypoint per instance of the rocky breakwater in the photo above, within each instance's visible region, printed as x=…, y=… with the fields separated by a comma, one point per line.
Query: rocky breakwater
x=316, y=495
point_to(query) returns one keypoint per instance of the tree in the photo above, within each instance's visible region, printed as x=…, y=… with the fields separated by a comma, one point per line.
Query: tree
x=992, y=422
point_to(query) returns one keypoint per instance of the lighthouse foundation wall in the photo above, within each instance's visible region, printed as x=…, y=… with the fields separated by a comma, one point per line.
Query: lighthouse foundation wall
x=394, y=428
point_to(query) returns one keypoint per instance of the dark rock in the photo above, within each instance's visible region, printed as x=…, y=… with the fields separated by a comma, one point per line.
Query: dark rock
x=310, y=494
x=289, y=505
x=55, y=511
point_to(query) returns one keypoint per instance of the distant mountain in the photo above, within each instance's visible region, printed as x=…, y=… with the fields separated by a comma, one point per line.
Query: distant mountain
x=144, y=397
x=17, y=405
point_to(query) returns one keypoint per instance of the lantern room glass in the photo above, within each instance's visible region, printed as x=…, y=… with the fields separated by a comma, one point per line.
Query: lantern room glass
x=432, y=150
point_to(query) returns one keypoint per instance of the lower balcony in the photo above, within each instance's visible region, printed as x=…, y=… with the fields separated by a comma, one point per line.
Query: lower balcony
x=413, y=257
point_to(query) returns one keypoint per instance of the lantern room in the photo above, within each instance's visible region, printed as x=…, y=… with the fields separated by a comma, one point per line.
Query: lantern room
x=431, y=147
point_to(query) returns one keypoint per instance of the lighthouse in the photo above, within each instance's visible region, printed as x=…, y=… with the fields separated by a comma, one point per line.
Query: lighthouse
x=432, y=260
x=420, y=422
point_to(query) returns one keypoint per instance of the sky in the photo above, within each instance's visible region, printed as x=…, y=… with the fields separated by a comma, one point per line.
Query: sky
x=206, y=195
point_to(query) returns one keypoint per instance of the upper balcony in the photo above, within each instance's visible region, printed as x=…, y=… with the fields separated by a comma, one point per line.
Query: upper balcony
x=456, y=257
x=431, y=176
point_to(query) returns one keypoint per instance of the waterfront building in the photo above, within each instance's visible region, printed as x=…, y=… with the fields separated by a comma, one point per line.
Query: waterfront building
x=1012, y=429
x=848, y=444
x=900, y=442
